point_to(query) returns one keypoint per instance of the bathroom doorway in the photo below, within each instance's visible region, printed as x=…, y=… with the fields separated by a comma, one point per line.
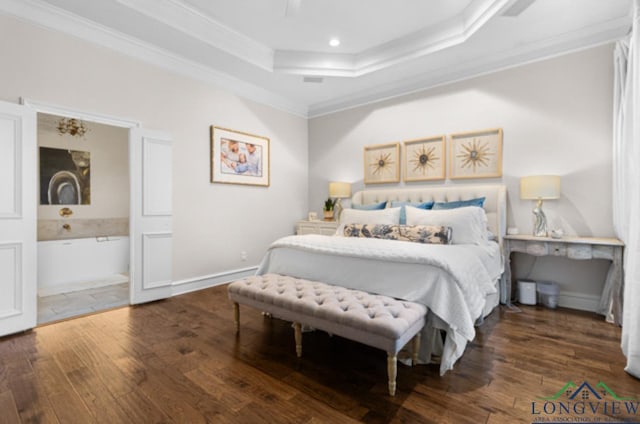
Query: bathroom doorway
x=150, y=216
x=83, y=217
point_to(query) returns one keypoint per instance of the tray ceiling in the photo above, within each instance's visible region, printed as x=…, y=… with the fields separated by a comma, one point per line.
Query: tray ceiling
x=277, y=51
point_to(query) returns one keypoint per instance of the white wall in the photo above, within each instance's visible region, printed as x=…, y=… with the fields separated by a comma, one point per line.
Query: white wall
x=557, y=119
x=109, y=149
x=212, y=223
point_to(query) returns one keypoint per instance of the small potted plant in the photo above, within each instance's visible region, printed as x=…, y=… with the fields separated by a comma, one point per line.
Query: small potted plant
x=328, y=209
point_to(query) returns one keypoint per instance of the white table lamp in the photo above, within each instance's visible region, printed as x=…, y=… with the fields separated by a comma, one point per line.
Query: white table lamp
x=540, y=187
x=339, y=190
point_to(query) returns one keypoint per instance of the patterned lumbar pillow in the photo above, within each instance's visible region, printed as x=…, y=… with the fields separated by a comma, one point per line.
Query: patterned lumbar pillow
x=431, y=234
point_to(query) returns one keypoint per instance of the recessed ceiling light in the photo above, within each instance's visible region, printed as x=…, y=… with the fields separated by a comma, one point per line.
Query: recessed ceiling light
x=334, y=42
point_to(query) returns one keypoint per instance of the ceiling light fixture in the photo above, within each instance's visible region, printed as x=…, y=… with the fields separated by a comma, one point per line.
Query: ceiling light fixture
x=72, y=126
x=334, y=42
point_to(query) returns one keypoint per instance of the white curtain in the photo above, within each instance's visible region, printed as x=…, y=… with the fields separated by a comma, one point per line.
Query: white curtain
x=626, y=182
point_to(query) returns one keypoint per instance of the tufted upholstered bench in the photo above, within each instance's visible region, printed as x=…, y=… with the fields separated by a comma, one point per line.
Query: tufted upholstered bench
x=374, y=320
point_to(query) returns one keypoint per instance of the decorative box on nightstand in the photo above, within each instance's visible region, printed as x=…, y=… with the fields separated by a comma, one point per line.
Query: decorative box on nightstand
x=327, y=228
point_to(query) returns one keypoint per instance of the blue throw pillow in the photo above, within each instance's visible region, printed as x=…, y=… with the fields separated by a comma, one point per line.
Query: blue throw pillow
x=370, y=206
x=460, y=203
x=403, y=212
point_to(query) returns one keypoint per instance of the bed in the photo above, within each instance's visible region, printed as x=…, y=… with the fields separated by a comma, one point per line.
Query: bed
x=460, y=284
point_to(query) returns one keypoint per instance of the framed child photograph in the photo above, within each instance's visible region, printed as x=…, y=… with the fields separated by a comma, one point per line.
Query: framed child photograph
x=239, y=158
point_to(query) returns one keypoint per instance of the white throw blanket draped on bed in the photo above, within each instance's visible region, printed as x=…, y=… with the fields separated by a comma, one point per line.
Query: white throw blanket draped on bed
x=452, y=281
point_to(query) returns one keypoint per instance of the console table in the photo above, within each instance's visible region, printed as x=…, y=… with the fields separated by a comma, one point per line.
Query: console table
x=575, y=248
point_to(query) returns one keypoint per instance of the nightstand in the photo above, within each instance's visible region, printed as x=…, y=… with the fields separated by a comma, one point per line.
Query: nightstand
x=327, y=228
x=581, y=248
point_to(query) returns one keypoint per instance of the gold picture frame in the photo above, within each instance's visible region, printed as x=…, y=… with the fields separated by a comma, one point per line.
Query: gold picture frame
x=424, y=159
x=475, y=154
x=239, y=158
x=382, y=163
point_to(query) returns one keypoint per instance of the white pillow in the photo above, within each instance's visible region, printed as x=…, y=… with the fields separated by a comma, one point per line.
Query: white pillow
x=468, y=224
x=390, y=216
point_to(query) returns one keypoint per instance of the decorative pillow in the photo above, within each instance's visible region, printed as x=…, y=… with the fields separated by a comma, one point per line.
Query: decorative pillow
x=415, y=233
x=468, y=224
x=389, y=216
x=370, y=206
x=403, y=213
x=479, y=202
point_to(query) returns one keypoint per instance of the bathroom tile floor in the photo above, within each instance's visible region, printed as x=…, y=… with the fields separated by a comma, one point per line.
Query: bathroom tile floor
x=67, y=305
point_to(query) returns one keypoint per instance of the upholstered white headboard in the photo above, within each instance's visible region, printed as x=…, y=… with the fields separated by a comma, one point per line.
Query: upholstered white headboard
x=495, y=203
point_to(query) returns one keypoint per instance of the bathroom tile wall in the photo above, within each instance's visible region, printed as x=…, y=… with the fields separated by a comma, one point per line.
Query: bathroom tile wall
x=52, y=229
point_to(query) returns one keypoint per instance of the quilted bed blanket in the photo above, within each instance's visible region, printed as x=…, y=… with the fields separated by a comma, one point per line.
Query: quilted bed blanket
x=452, y=281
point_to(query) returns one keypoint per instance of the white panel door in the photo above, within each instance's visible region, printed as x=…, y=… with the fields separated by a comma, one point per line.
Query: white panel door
x=18, y=211
x=150, y=158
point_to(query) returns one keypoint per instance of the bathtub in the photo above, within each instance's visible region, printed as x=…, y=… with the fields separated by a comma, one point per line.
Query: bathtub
x=79, y=264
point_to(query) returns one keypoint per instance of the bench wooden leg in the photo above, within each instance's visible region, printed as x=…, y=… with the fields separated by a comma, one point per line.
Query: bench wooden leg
x=415, y=348
x=392, y=371
x=297, y=329
x=236, y=316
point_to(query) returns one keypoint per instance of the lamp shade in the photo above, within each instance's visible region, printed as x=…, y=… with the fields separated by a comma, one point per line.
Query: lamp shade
x=540, y=187
x=339, y=190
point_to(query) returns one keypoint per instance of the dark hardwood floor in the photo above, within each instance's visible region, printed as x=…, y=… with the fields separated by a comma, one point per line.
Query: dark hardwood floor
x=178, y=360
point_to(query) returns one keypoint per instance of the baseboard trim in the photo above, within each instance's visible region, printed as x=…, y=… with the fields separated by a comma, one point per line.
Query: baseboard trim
x=198, y=283
x=580, y=301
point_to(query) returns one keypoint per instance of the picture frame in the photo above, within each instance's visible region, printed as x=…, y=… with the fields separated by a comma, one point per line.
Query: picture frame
x=425, y=159
x=475, y=154
x=382, y=163
x=65, y=176
x=237, y=157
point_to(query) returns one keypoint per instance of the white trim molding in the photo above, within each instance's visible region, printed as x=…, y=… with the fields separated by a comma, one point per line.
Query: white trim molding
x=13, y=164
x=580, y=301
x=48, y=16
x=571, y=42
x=198, y=283
x=18, y=283
x=155, y=271
x=157, y=174
x=68, y=112
x=202, y=28
x=185, y=18
x=423, y=42
x=188, y=20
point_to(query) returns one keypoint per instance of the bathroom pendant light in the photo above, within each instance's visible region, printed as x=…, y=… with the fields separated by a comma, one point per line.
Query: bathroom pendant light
x=72, y=126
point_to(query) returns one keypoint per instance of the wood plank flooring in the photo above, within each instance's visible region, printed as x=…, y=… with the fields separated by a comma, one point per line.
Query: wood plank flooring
x=178, y=360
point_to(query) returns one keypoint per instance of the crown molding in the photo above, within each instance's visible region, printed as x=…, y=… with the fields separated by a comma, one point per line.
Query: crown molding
x=186, y=19
x=51, y=17
x=44, y=107
x=570, y=42
x=446, y=34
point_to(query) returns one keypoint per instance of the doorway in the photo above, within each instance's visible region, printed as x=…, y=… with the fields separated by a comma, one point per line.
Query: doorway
x=83, y=217
x=150, y=210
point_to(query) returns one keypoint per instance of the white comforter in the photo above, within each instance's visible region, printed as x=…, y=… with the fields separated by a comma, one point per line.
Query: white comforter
x=452, y=281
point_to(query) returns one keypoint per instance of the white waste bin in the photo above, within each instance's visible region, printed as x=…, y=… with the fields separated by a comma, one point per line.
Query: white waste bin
x=527, y=292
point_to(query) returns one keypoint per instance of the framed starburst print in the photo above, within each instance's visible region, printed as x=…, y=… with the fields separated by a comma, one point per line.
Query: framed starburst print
x=382, y=163
x=424, y=159
x=476, y=154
